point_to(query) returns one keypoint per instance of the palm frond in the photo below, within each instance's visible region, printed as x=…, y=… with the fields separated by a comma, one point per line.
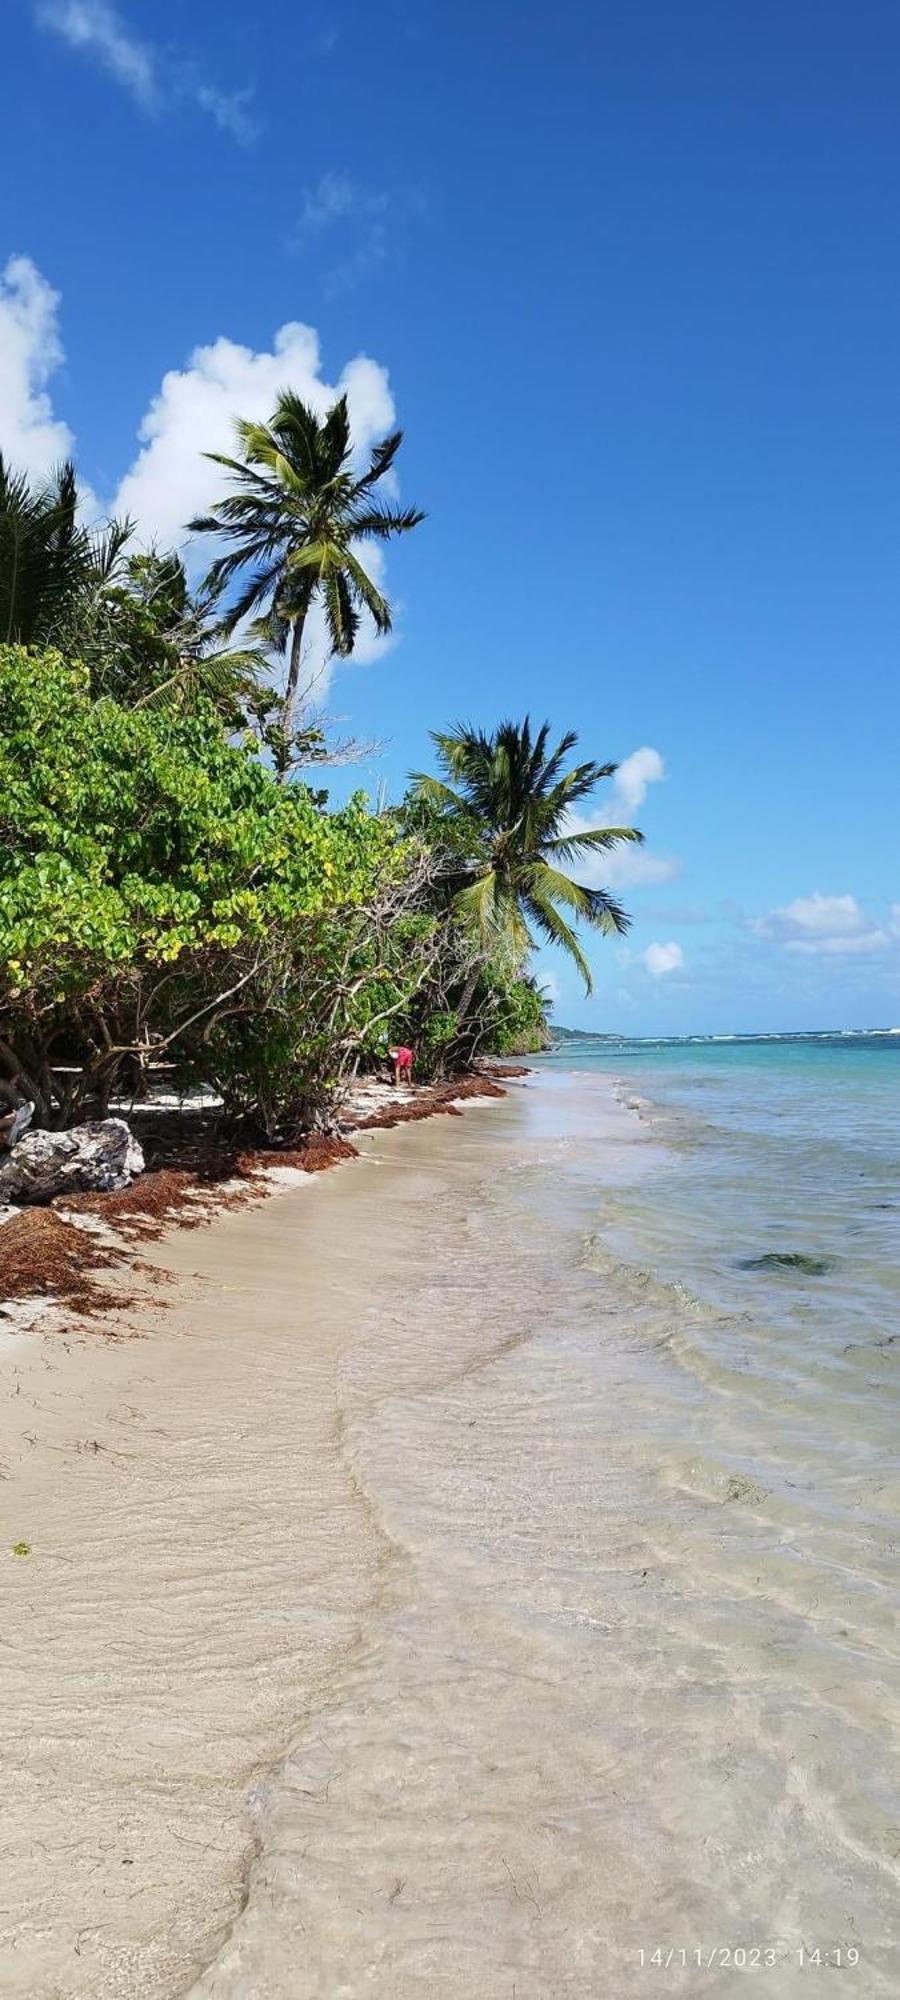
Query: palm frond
x=381, y=458
x=555, y=929
x=568, y=846
x=340, y=612
x=381, y=523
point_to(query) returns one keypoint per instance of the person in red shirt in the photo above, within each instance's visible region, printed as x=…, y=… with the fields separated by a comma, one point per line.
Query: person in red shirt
x=402, y=1060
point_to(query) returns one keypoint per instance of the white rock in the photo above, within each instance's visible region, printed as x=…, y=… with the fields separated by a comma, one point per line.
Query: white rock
x=88, y=1159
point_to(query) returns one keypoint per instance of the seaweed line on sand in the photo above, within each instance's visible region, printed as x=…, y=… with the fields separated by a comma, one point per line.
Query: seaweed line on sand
x=54, y=1254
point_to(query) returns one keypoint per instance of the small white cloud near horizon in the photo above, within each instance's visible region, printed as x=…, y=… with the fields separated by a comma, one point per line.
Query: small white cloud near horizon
x=627, y=866
x=821, y=926
x=150, y=76
x=661, y=959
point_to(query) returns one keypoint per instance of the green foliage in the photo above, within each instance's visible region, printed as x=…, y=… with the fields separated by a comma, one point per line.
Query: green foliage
x=166, y=902
x=515, y=1011
x=132, y=619
x=161, y=894
x=149, y=640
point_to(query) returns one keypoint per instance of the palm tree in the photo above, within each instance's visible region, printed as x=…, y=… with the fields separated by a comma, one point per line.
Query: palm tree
x=48, y=558
x=152, y=641
x=518, y=800
x=295, y=519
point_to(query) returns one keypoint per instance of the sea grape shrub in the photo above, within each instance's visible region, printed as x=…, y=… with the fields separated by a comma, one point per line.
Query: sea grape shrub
x=512, y=1011
x=163, y=899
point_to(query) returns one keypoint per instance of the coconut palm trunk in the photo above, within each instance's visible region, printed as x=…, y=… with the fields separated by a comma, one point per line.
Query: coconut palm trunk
x=295, y=659
x=467, y=995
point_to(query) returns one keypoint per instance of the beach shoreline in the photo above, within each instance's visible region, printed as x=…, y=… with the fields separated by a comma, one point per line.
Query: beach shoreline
x=194, y=1557
x=442, y=1590
x=55, y=1257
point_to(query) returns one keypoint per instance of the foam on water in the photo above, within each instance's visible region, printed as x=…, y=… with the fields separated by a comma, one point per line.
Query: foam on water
x=630, y=1682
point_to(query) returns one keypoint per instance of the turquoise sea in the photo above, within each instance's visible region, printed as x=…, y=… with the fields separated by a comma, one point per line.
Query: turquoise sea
x=777, y=1198
x=769, y=1226
x=623, y=1719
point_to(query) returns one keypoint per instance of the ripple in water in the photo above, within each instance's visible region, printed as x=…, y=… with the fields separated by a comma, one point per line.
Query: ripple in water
x=630, y=1679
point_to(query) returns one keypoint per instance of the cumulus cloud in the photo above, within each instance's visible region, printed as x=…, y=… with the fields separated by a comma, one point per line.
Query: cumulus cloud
x=194, y=409
x=154, y=78
x=821, y=926
x=661, y=959
x=635, y=774
x=192, y=412
x=32, y=438
x=625, y=867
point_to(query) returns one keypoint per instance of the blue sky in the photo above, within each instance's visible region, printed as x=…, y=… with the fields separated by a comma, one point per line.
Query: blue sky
x=628, y=276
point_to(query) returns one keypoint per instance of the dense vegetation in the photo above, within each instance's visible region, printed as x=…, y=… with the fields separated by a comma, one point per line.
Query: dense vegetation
x=178, y=903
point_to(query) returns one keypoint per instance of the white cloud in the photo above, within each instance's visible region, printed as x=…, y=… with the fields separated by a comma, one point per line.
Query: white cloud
x=335, y=198
x=629, y=866
x=195, y=407
x=820, y=916
x=229, y=109
x=821, y=926
x=152, y=77
x=661, y=959
x=643, y=768
x=372, y=222
x=839, y=947
x=94, y=26
x=192, y=412
x=31, y=438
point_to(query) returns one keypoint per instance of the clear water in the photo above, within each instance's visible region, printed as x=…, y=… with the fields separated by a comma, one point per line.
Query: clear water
x=773, y=1214
x=624, y=1716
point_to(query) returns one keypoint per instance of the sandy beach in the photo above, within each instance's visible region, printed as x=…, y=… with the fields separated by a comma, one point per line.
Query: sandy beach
x=201, y=1560
x=394, y=1620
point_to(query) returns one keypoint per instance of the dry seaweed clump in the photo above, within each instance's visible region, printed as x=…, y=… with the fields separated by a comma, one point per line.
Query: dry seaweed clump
x=439, y=1098
x=157, y=1201
x=320, y=1150
x=43, y=1256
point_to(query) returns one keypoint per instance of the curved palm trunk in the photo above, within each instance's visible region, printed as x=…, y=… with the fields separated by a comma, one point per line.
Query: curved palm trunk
x=468, y=993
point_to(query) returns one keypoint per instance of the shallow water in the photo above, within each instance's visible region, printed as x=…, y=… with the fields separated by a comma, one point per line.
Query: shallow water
x=627, y=1701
